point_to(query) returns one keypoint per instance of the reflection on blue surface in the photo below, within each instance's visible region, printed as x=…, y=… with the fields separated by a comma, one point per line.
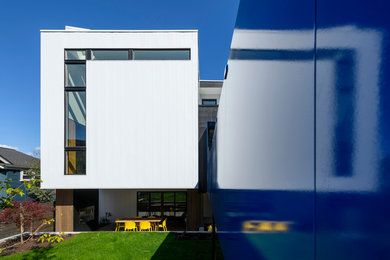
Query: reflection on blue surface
x=302, y=137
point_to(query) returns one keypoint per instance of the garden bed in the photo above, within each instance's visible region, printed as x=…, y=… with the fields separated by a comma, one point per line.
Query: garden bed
x=14, y=247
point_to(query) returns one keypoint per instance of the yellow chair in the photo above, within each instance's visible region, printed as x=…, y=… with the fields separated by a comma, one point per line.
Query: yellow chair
x=154, y=225
x=163, y=225
x=138, y=217
x=130, y=225
x=145, y=226
x=119, y=225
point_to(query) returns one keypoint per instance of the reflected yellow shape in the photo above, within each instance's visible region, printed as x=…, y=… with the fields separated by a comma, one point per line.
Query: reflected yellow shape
x=249, y=226
x=281, y=226
x=265, y=226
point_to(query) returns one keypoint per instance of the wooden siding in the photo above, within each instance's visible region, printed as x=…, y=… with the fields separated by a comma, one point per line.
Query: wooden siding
x=194, y=220
x=64, y=210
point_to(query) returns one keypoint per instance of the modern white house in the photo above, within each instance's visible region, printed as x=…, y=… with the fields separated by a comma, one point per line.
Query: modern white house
x=119, y=125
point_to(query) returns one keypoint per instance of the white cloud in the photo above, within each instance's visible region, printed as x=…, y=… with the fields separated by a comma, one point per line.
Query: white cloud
x=10, y=147
x=36, y=153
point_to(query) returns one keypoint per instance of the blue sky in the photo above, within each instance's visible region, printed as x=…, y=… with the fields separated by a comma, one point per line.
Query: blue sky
x=20, y=22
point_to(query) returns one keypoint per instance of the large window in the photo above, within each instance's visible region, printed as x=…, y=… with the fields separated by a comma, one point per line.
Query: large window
x=209, y=102
x=75, y=55
x=75, y=112
x=75, y=118
x=75, y=162
x=161, y=54
x=75, y=75
x=170, y=204
x=110, y=54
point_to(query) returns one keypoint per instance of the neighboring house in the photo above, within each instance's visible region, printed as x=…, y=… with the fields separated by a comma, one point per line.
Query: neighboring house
x=13, y=165
x=122, y=119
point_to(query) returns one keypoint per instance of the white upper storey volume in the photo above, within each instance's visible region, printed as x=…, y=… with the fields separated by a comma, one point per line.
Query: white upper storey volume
x=141, y=116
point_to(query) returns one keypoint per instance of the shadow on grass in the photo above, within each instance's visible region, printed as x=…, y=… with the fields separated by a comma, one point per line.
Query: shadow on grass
x=42, y=253
x=171, y=248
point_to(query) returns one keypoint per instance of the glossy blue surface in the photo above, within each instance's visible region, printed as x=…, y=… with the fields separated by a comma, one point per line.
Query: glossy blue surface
x=339, y=207
x=352, y=209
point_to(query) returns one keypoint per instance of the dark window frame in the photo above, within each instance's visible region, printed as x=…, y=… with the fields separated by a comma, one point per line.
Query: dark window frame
x=162, y=202
x=129, y=53
x=89, y=52
x=163, y=49
x=75, y=62
x=77, y=149
x=67, y=90
x=69, y=49
x=210, y=99
x=73, y=89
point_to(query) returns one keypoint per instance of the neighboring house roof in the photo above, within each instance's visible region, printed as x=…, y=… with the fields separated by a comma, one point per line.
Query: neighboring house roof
x=12, y=159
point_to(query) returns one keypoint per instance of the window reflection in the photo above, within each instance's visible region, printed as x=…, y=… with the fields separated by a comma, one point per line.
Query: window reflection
x=209, y=102
x=110, y=54
x=75, y=118
x=75, y=55
x=161, y=54
x=75, y=75
x=181, y=204
x=162, y=204
x=155, y=204
x=169, y=204
x=75, y=162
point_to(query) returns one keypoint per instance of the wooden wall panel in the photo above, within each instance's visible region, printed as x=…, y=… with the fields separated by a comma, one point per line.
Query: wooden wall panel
x=64, y=210
x=194, y=213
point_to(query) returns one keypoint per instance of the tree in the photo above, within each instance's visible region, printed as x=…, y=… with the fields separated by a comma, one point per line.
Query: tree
x=23, y=214
x=33, y=186
x=7, y=193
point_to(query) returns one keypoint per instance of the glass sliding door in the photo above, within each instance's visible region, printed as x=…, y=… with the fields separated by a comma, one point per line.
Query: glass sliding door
x=143, y=204
x=180, y=204
x=167, y=203
x=155, y=203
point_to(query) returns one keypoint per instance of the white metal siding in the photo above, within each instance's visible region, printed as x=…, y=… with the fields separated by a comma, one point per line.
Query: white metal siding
x=142, y=117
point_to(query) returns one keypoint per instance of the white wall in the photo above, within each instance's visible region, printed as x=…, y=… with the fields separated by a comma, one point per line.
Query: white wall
x=119, y=203
x=209, y=93
x=123, y=203
x=142, y=116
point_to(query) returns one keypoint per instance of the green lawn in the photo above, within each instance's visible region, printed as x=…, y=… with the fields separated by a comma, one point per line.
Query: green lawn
x=124, y=245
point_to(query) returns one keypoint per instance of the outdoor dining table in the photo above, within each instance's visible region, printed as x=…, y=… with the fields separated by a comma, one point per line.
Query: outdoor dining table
x=151, y=220
x=138, y=220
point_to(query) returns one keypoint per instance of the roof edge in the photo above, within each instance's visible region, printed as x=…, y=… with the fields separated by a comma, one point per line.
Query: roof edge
x=116, y=31
x=211, y=80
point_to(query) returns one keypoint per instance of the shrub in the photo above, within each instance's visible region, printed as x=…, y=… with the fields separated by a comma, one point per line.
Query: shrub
x=23, y=214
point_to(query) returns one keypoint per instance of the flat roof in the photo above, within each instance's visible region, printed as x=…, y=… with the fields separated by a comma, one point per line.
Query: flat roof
x=116, y=31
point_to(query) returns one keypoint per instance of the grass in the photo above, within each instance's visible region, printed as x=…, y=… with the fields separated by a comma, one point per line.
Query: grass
x=124, y=245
